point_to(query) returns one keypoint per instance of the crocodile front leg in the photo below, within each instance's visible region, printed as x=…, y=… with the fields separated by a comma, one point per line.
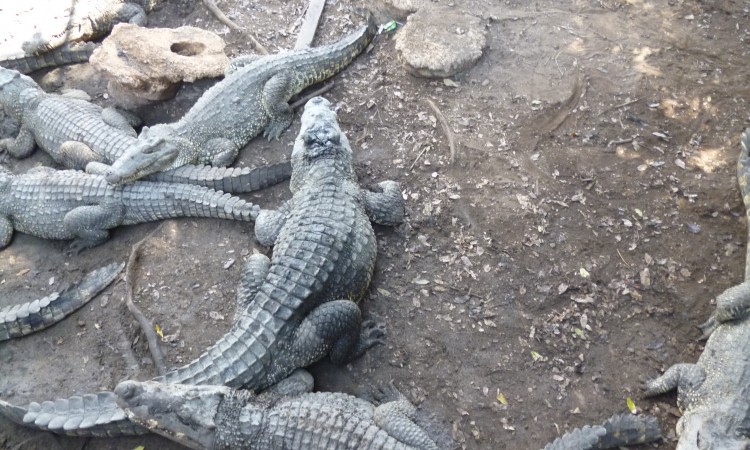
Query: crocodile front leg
x=269, y=223
x=91, y=224
x=222, y=152
x=681, y=376
x=6, y=231
x=116, y=119
x=333, y=328
x=731, y=304
x=77, y=155
x=385, y=207
x=274, y=99
x=22, y=145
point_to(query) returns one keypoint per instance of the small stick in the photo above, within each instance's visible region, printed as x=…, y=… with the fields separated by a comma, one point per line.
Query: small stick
x=310, y=24
x=211, y=5
x=146, y=326
x=426, y=147
x=301, y=101
x=620, y=141
x=446, y=129
x=621, y=105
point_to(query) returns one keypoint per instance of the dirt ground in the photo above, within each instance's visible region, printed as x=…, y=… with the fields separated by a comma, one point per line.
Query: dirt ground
x=590, y=217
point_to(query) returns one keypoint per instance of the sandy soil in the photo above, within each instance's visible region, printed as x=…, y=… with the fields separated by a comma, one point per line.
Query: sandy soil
x=548, y=263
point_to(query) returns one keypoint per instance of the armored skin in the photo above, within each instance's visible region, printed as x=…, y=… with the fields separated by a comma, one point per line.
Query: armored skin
x=295, y=308
x=617, y=431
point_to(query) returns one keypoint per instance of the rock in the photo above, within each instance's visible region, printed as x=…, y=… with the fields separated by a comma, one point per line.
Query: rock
x=438, y=42
x=146, y=64
x=404, y=7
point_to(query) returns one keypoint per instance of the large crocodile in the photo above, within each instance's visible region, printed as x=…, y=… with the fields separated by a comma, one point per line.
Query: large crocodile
x=80, y=135
x=617, y=431
x=219, y=417
x=41, y=28
x=296, y=307
x=69, y=204
x=251, y=99
x=714, y=393
x=24, y=319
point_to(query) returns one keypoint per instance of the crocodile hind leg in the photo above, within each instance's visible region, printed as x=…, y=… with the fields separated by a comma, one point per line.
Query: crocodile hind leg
x=395, y=415
x=335, y=328
x=253, y=276
x=385, y=207
x=6, y=231
x=681, y=376
x=22, y=145
x=269, y=223
x=222, y=152
x=274, y=99
x=116, y=119
x=731, y=304
x=77, y=155
x=91, y=224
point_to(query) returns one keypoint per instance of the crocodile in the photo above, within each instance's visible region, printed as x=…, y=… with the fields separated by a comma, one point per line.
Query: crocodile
x=617, y=431
x=24, y=319
x=67, y=54
x=296, y=307
x=219, y=417
x=714, y=393
x=69, y=204
x=80, y=135
x=251, y=99
x=41, y=29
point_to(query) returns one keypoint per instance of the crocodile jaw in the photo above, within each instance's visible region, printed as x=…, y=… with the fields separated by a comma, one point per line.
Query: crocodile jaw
x=183, y=413
x=147, y=157
x=710, y=430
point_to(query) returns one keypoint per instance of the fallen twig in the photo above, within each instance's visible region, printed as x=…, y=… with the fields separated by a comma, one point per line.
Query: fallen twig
x=301, y=101
x=310, y=24
x=426, y=147
x=146, y=326
x=621, y=105
x=620, y=141
x=446, y=129
x=211, y=5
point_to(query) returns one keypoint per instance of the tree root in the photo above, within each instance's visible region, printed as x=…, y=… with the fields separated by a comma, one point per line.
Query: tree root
x=446, y=129
x=146, y=325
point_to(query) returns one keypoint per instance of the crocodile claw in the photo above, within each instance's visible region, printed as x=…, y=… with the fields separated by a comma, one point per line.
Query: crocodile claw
x=707, y=328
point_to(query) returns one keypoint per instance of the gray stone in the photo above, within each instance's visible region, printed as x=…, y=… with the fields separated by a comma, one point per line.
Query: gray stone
x=438, y=42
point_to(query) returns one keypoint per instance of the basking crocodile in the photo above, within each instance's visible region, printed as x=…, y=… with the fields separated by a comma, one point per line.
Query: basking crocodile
x=51, y=25
x=297, y=307
x=251, y=99
x=69, y=204
x=24, y=319
x=78, y=135
x=714, y=393
x=619, y=430
x=219, y=417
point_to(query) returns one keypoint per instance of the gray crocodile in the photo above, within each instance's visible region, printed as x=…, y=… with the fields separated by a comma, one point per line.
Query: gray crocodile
x=219, y=417
x=45, y=28
x=296, y=307
x=251, y=99
x=617, y=431
x=80, y=135
x=69, y=204
x=24, y=319
x=714, y=393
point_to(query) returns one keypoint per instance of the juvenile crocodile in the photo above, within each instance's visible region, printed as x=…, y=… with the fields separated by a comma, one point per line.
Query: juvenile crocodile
x=219, y=417
x=298, y=306
x=619, y=430
x=43, y=27
x=251, y=99
x=80, y=135
x=24, y=319
x=69, y=204
x=714, y=393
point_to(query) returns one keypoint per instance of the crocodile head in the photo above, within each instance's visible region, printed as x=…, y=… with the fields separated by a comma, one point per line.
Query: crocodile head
x=712, y=430
x=186, y=414
x=149, y=155
x=15, y=90
x=320, y=141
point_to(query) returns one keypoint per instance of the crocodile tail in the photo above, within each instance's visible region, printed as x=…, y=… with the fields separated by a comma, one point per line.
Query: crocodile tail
x=743, y=178
x=148, y=201
x=619, y=430
x=228, y=179
x=67, y=54
x=87, y=415
x=27, y=318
